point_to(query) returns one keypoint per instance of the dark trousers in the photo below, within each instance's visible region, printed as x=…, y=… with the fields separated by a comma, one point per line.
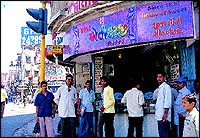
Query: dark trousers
x=135, y=122
x=68, y=127
x=181, y=125
x=2, y=108
x=109, y=128
x=85, y=128
x=173, y=132
x=163, y=128
x=100, y=124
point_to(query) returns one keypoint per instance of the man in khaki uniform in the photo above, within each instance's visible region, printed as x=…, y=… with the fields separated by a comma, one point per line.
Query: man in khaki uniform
x=3, y=99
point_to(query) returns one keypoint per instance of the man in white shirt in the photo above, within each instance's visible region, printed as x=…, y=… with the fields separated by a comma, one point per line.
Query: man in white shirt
x=134, y=99
x=163, y=105
x=179, y=111
x=36, y=92
x=66, y=97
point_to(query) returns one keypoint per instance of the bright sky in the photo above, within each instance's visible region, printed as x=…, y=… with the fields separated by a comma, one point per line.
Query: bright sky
x=13, y=17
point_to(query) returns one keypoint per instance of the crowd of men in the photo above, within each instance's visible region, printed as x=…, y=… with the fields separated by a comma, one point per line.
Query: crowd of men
x=180, y=106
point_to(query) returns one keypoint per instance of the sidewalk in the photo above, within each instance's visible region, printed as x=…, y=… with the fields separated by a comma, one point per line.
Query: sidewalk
x=150, y=128
x=27, y=130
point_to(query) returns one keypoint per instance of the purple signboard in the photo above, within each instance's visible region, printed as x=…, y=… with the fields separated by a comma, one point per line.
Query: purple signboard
x=145, y=23
x=109, y=31
x=164, y=20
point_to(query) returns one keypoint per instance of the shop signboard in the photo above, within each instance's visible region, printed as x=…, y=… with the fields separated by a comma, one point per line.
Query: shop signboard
x=75, y=6
x=29, y=37
x=109, y=31
x=146, y=23
x=54, y=49
x=67, y=41
x=55, y=75
x=165, y=20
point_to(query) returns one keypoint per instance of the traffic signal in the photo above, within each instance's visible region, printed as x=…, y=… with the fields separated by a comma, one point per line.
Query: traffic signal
x=40, y=15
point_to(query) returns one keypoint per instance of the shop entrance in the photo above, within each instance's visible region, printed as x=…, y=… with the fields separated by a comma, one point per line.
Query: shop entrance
x=125, y=66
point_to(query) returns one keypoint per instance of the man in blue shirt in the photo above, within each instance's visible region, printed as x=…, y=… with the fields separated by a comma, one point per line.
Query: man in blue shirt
x=44, y=108
x=87, y=99
x=179, y=111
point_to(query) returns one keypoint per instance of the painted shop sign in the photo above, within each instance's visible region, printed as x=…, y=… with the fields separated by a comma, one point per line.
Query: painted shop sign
x=102, y=33
x=75, y=6
x=165, y=20
x=145, y=23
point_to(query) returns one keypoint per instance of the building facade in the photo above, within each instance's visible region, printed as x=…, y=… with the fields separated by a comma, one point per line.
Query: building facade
x=127, y=40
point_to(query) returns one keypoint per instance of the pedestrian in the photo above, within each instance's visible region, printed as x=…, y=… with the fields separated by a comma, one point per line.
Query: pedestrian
x=135, y=100
x=100, y=121
x=163, y=105
x=45, y=111
x=18, y=98
x=173, y=131
x=108, y=107
x=86, y=99
x=191, y=123
x=197, y=91
x=36, y=92
x=3, y=99
x=25, y=100
x=179, y=111
x=66, y=98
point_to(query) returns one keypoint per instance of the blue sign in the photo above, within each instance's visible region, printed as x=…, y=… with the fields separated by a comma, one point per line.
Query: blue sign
x=29, y=37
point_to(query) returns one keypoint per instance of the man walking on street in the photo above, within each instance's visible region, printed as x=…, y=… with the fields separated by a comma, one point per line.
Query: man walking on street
x=163, y=105
x=45, y=111
x=108, y=107
x=66, y=98
x=179, y=111
x=135, y=100
x=3, y=99
x=86, y=99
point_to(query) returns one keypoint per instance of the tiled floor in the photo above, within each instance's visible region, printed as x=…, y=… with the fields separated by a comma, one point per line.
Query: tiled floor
x=150, y=128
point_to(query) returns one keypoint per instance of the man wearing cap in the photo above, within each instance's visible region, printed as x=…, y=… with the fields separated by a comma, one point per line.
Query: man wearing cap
x=179, y=112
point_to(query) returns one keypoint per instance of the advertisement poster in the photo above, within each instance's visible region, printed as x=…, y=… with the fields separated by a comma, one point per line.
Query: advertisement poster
x=174, y=73
x=98, y=65
x=165, y=20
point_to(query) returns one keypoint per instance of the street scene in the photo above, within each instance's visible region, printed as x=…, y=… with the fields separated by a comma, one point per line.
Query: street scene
x=18, y=121
x=100, y=69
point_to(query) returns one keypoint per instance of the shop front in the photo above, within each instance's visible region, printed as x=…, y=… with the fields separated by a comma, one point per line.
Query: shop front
x=134, y=43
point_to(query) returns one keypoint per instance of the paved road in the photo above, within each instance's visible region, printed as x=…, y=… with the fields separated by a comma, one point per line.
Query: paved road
x=19, y=121
x=15, y=117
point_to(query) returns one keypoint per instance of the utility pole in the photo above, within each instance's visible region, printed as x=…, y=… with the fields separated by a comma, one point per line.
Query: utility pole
x=42, y=59
x=30, y=78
